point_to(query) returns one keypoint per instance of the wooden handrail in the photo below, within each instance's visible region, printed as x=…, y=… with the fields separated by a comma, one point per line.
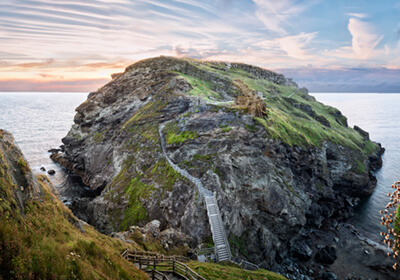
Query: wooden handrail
x=157, y=255
x=176, y=266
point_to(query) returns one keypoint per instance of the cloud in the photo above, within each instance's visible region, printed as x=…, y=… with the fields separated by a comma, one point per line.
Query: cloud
x=364, y=40
x=374, y=79
x=26, y=85
x=363, y=43
x=277, y=15
x=35, y=64
x=49, y=76
x=293, y=46
x=357, y=15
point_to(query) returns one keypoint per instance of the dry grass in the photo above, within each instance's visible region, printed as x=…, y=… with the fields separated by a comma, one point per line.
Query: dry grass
x=46, y=242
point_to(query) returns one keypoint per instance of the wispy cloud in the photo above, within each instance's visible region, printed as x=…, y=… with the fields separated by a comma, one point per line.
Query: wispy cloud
x=277, y=16
x=294, y=46
x=357, y=15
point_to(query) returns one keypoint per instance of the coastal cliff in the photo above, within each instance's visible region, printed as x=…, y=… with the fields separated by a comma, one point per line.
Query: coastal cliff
x=279, y=162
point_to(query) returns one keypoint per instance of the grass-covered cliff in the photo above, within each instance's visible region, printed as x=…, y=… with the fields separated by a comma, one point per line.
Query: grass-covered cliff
x=40, y=238
x=278, y=160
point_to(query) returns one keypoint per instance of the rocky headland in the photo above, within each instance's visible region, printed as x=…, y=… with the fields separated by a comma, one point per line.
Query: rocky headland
x=283, y=166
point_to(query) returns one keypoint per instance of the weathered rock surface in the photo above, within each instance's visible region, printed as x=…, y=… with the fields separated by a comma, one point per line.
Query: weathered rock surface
x=269, y=190
x=25, y=184
x=326, y=255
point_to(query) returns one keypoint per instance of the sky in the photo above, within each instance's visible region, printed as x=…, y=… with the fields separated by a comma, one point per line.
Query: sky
x=326, y=46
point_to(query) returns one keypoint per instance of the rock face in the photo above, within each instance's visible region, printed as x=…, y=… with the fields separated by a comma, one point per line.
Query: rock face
x=11, y=159
x=274, y=177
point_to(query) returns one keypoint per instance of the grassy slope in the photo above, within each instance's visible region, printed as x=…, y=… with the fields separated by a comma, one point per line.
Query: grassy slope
x=42, y=244
x=231, y=271
x=285, y=122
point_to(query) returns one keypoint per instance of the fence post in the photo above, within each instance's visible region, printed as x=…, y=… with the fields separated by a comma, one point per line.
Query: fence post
x=173, y=265
x=152, y=274
x=154, y=264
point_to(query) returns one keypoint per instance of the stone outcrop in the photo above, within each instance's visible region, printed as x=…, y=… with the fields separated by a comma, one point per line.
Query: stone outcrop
x=25, y=185
x=270, y=190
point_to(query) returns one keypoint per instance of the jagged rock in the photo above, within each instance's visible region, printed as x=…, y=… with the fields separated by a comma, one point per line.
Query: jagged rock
x=11, y=158
x=301, y=251
x=153, y=228
x=51, y=172
x=42, y=168
x=326, y=255
x=173, y=237
x=362, y=132
x=328, y=275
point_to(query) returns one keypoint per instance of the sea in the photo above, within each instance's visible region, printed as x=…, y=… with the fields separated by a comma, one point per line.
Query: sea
x=39, y=121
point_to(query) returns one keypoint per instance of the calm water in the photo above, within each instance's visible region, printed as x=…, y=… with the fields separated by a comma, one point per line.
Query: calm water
x=38, y=121
x=379, y=114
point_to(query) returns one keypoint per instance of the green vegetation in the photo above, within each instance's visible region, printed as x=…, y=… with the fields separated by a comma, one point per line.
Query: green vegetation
x=240, y=243
x=134, y=210
x=132, y=186
x=98, y=137
x=201, y=88
x=297, y=121
x=46, y=243
x=228, y=270
x=175, y=136
x=23, y=165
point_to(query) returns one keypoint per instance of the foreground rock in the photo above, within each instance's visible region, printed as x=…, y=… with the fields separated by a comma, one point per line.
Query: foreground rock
x=277, y=172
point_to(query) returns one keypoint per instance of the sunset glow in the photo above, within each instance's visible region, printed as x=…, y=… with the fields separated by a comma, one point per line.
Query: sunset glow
x=73, y=45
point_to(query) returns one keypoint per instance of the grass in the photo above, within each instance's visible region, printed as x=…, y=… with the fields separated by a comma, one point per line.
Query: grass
x=240, y=243
x=285, y=121
x=152, y=182
x=231, y=271
x=201, y=88
x=175, y=136
x=45, y=243
x=134, y=210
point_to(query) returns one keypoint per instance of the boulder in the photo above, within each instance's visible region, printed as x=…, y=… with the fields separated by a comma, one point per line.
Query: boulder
x=301, y=251
x=326, y=255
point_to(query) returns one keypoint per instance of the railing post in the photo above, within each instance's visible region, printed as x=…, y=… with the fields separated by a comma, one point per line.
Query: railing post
x=154, y=264
x=173, y=265
x=152, y=274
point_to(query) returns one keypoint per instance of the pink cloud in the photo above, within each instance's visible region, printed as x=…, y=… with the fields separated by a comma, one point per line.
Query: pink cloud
x=25, y=85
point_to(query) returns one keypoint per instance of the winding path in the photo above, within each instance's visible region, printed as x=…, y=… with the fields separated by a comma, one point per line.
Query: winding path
x=221, y=244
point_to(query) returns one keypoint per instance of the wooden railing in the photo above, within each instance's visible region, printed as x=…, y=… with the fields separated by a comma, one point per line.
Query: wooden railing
x=149, y=261
x=157, y=275
x=133, y=255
